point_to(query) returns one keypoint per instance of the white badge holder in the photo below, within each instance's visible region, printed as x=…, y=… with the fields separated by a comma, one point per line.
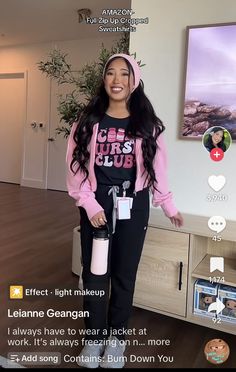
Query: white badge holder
x=123, y=209
x=123, y=206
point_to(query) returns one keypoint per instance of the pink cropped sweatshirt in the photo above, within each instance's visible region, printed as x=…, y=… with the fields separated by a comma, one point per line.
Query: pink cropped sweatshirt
x=85, y=194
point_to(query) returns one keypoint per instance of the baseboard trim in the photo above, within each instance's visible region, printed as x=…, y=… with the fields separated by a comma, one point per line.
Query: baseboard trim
x=27, y=182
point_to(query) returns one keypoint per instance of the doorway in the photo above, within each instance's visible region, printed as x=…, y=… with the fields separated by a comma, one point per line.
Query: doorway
x=56, y=172
x=12, y=118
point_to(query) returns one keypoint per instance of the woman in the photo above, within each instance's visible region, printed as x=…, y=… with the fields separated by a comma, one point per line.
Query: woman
x=215, y=139
x=116, y=147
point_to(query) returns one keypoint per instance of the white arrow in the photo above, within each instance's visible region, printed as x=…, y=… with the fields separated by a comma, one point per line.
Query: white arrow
x=217, y=306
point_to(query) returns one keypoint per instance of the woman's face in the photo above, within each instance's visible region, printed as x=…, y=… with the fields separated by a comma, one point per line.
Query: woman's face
x=118, y=83
x=217, y=137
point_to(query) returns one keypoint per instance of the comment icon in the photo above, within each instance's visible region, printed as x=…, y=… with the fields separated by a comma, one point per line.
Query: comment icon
x=216, y=223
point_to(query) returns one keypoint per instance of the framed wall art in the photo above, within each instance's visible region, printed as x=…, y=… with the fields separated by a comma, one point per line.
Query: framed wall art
x=210, y=80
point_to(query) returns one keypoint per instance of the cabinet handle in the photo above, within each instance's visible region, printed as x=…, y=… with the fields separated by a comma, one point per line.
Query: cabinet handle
x=180, y=275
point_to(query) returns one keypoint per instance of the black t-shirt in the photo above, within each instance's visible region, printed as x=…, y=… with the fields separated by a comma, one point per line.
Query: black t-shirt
x=114, y=155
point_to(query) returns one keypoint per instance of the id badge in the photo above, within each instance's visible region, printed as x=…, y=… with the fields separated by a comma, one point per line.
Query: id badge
x=122, y=197
x=123, y=209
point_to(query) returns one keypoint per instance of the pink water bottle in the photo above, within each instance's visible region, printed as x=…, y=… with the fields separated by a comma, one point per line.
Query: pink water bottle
x=100, y=250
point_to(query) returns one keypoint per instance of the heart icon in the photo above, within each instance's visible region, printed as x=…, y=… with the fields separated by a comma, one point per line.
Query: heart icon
x=216, y=182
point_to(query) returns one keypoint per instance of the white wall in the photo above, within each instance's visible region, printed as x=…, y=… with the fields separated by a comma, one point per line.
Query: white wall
x=161, y=45
x=21, y=58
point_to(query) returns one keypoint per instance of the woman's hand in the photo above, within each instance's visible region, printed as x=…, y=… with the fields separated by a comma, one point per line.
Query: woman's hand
x=177, y=220
x=98, y=219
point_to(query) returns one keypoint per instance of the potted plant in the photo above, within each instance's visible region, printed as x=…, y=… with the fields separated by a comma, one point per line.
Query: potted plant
x=84, y=83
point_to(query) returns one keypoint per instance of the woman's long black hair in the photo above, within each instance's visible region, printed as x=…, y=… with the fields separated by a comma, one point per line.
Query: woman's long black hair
x=143, y=124
x=209, y=143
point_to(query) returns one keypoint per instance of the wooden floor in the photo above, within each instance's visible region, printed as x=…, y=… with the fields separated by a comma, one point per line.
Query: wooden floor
x=35, y=244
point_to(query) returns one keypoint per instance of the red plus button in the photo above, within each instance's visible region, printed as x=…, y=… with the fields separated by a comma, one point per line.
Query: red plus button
x=217, y=154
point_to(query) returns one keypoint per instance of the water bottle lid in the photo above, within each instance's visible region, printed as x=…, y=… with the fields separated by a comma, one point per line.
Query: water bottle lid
x=101, y=232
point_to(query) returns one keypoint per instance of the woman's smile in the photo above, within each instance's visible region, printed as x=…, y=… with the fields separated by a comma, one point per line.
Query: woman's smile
x=116, y=89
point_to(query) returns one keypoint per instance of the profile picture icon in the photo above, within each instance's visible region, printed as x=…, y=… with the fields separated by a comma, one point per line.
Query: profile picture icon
x=217, y=138
x=216, y=351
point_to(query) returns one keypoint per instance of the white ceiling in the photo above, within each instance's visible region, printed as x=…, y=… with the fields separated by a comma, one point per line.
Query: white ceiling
x=34, y=21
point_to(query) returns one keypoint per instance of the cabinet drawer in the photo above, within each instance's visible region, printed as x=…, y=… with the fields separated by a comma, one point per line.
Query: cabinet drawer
x=157, y=283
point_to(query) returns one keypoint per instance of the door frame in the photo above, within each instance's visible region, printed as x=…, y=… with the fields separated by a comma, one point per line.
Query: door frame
x=10, y=75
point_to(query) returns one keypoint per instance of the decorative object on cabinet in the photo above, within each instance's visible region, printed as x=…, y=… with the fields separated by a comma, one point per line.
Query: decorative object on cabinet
x=205, y=293
x=227, y=294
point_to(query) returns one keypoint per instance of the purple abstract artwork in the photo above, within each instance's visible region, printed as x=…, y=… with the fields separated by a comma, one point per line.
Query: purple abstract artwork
x=210, y=88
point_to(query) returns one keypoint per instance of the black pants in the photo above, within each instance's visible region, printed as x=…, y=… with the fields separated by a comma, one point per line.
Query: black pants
x=113, y=310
